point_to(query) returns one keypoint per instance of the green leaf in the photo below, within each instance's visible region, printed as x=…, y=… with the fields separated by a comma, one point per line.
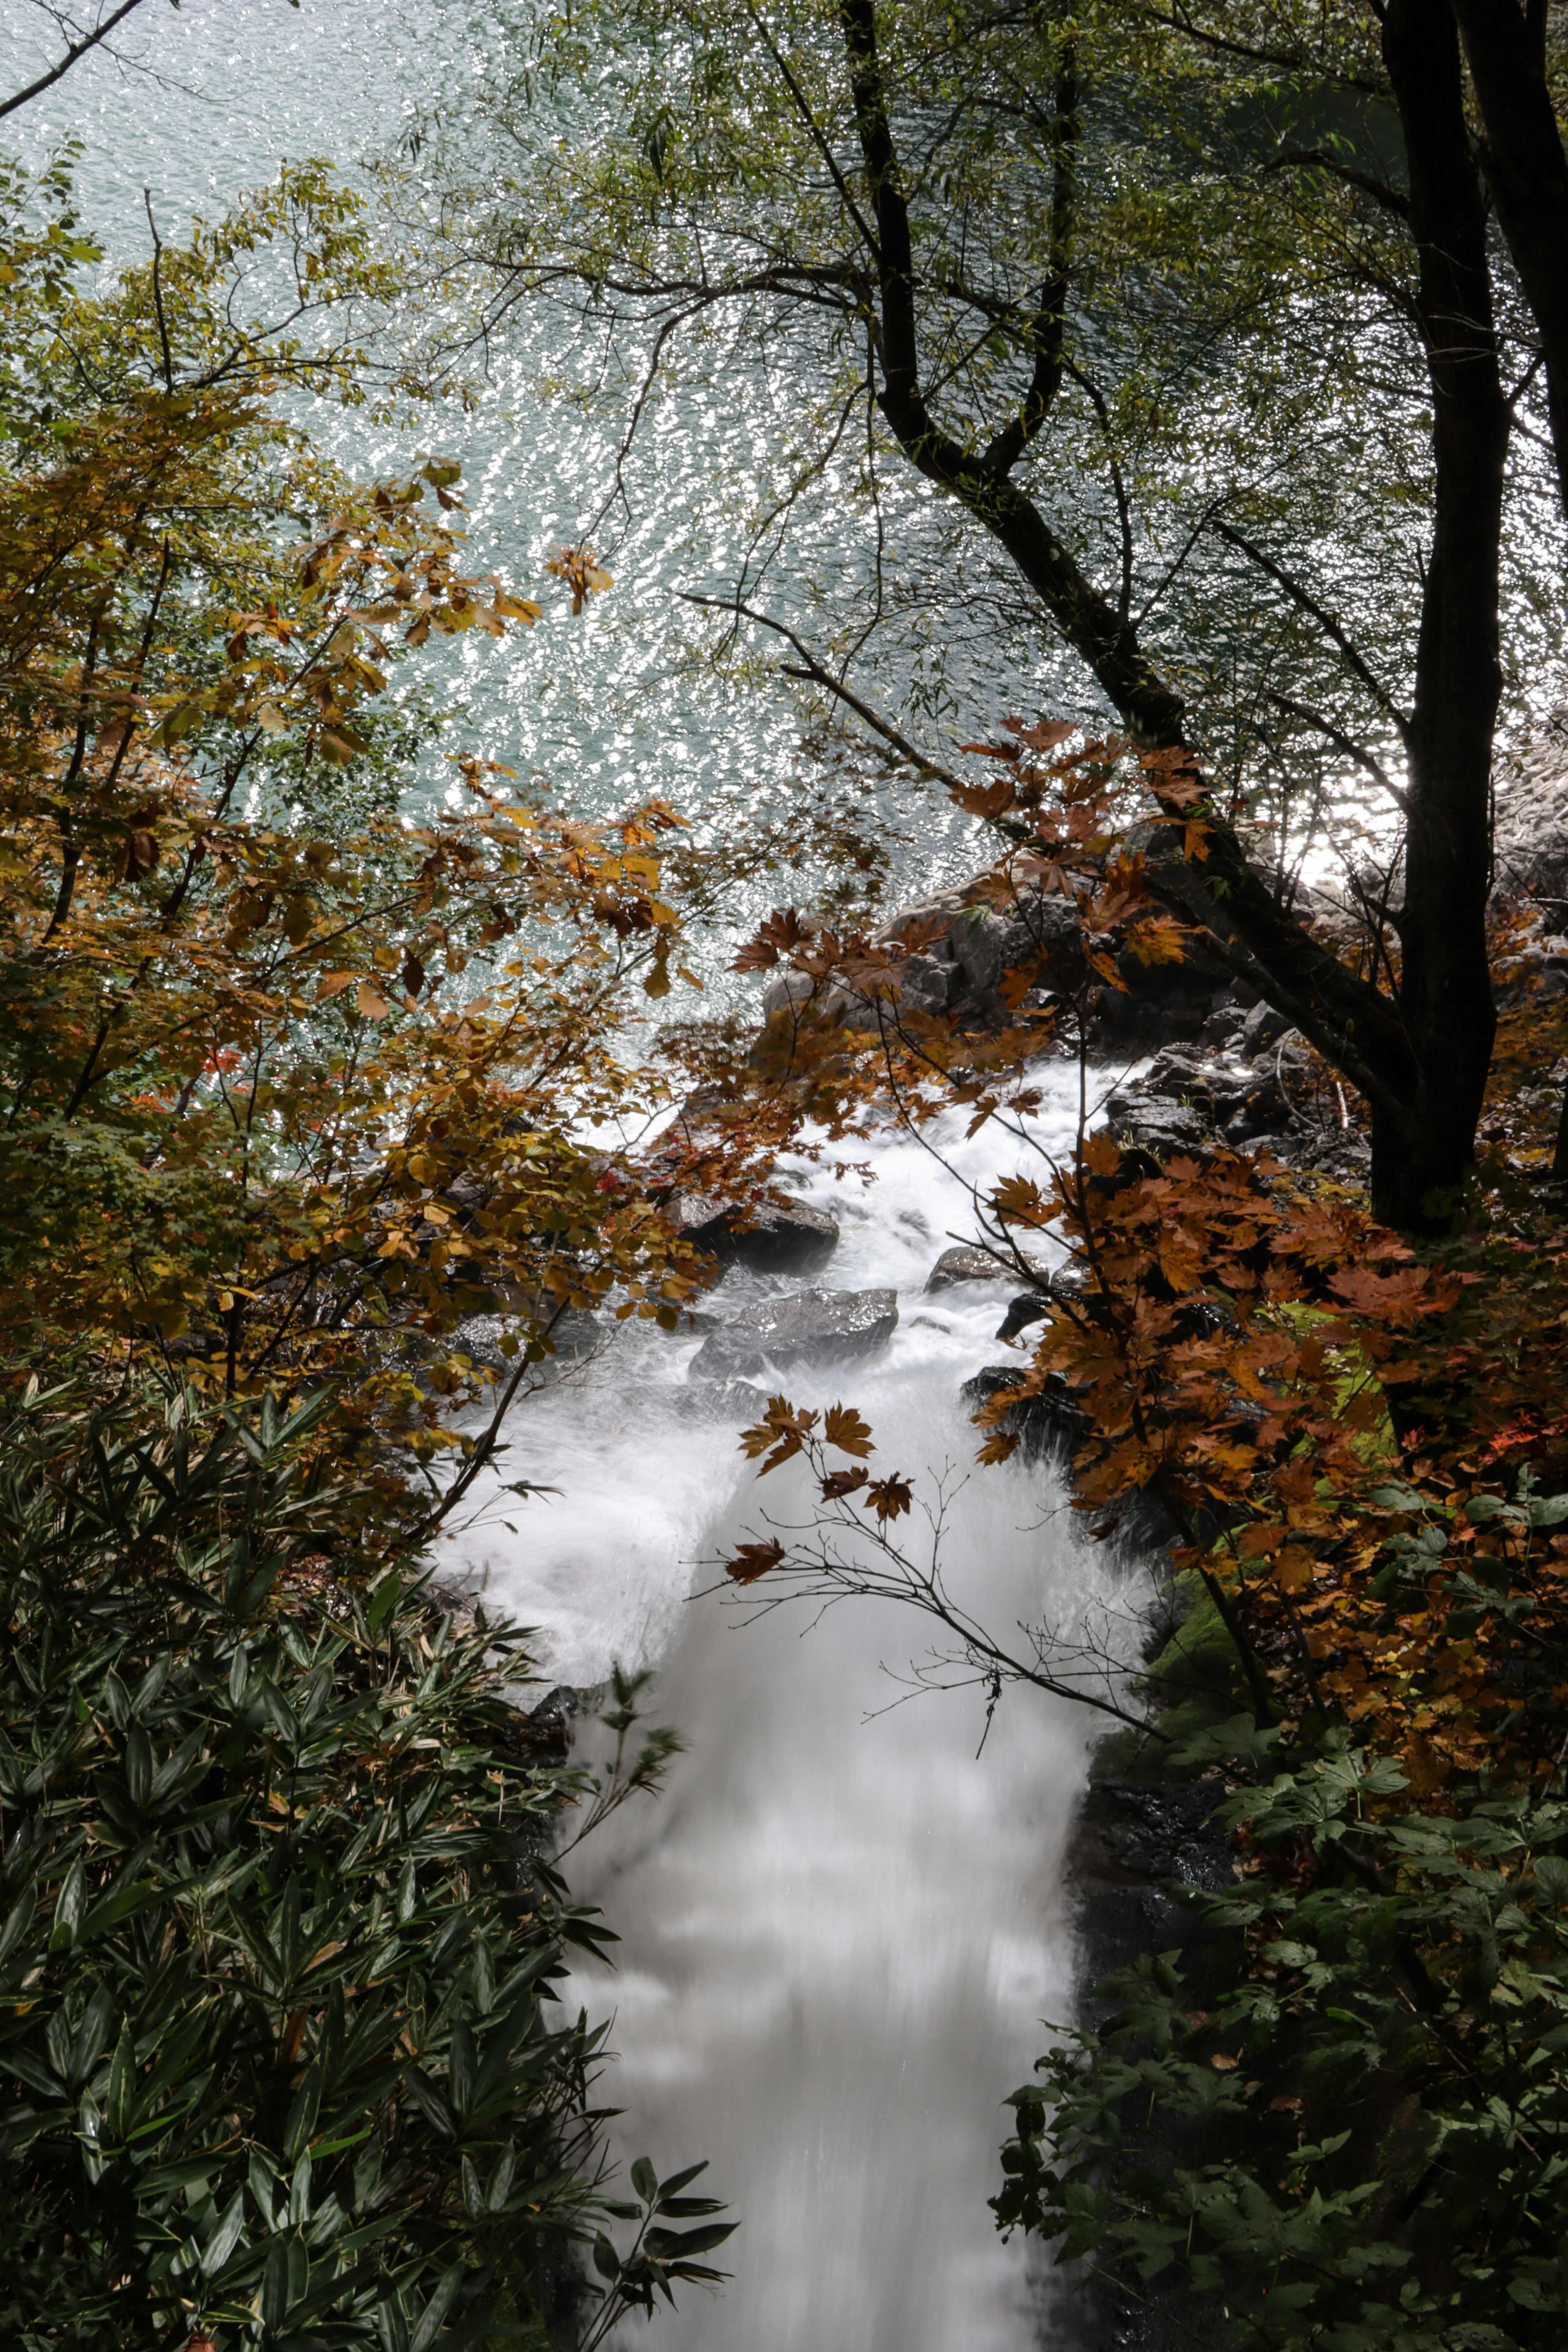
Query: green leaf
x=275, y=2284
x=119, y=2102
x=302, y=2114
x=383, y=1601
x=18, y=1919
x=68, y=1909
x=139, y=1766
x=225, y=2237
x=429, y=2325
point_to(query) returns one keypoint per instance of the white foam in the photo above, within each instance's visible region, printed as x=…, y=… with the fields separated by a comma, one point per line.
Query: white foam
x=839, y=1934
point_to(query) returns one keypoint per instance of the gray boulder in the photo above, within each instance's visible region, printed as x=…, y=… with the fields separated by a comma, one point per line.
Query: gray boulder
x=773, y=1236
x=1028, y=1307
x=576, y=1336
x=1262, y=1029
x=813, y=1327
x=963, y=1264
x=957, y=945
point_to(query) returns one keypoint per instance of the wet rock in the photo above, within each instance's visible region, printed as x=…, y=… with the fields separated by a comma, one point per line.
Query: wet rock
x=963, y=1263
x=955, y=948
x=1029, y=1307
x=1134, y=1834
x=736, y=1403
x=548, y=1728
x=1262, y=1028
x=770, y=1236
x=1191, y=1101
x=1047, y=1424
x=574, y=1337
x=813, y=1327
x=1188, y=1100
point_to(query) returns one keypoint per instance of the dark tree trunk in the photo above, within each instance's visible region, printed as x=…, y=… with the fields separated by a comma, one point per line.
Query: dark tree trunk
x=1527, y=171
x=1445, y=995
x=1420, y=1061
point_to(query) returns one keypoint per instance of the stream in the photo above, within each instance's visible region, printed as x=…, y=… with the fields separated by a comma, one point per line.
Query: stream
x=841, y=1925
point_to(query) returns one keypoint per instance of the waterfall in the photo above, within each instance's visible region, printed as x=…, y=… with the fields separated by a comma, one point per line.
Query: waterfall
x=841, y=1925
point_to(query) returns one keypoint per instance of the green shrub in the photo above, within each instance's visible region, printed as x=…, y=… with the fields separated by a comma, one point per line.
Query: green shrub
x=274, y=2066
x=1362, y=2141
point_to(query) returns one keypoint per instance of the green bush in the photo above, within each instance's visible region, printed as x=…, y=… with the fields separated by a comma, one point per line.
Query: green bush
x=1360, y=2143
x=273, y=2066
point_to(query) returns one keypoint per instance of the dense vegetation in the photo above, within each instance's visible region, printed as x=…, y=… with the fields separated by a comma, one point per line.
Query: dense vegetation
x=1290, y=283
x=274, y=2067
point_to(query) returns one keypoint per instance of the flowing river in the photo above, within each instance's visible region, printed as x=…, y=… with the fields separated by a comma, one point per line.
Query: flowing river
x=841, y=1923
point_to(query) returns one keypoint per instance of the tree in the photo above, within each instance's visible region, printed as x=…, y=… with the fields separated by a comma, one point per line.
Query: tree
x=1240, y=262
x=255, y=1116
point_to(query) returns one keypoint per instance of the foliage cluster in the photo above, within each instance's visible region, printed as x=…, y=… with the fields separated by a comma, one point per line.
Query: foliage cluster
x=243, y=1069
x=1357, y=2142
x=275, y=1933
x=292, y=1083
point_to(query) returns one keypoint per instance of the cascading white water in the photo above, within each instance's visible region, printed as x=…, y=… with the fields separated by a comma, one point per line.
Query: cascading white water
x=839, y=1934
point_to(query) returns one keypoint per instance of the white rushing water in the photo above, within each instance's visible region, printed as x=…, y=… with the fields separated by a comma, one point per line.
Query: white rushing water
x=839, y=1934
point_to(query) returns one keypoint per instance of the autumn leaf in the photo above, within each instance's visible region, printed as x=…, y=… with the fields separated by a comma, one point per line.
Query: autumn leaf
x=753, y=1559
x=1045, y=735
x=782, y=1429
x=369, y=1001
x=843, y=1427
x=889, y=1496
x=1000, y=1446
x=783, y=932
x=1009, y=751
x=517, y=608
x=1369, y=1293
x=839, y=1483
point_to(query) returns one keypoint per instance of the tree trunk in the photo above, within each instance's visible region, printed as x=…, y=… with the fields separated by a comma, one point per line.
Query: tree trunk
x=1527, y=171
x=1445, y=993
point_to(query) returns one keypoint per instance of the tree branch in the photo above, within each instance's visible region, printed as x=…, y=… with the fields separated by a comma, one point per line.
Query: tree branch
x=1324, y=618
x=73, y=55
x=811, y=668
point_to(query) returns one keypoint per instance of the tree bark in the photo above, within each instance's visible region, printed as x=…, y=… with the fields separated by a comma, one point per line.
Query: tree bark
x=1445, y=993
x=1527, y=171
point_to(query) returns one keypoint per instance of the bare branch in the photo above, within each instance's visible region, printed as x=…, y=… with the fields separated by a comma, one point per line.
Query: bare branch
x=1343, y=742
x=76, y=51
x=1324, y=618
x=812, y=669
